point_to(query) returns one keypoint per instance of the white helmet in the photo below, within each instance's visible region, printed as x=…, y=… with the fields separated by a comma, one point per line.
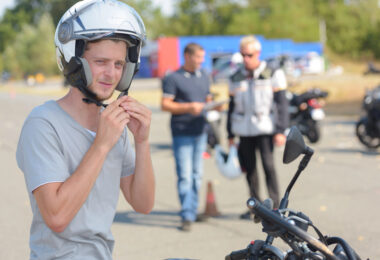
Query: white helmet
x=90, y=20
x=228, y=164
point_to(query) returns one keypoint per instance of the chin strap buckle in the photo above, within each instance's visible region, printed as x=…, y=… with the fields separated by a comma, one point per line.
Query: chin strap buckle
x=93, y=101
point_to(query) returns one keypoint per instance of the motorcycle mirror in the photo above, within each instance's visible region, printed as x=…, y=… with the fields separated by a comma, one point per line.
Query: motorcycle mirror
x=294, y=146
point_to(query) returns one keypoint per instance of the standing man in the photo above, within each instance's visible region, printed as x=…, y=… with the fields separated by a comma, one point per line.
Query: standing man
x=75, y=153
x=258, y=114
x=185, y=93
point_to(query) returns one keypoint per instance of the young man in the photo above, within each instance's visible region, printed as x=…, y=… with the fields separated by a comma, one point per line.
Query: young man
x=75, y=152
x=185, y=93
x=258, y=114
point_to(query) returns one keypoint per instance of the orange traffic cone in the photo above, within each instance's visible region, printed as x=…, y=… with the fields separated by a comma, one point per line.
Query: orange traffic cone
x=210, y=210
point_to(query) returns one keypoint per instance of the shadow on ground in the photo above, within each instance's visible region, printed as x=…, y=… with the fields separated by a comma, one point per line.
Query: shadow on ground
x=156, y=147
x=165, y=219
x=363, y=151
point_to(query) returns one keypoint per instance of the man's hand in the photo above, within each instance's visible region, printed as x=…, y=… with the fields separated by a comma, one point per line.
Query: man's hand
x=139, y=118
x=231, y=141
x=279, y=139
x=196, y=108
x=112, y=122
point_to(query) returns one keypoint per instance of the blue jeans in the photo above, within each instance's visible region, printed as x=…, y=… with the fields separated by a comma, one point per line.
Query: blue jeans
x=188, y=152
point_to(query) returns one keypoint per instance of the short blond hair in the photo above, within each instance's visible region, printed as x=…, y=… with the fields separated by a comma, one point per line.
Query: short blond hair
x=250, y=39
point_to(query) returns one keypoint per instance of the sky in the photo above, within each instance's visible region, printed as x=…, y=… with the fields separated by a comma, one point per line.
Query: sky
x=4, y=4
x=166, y=5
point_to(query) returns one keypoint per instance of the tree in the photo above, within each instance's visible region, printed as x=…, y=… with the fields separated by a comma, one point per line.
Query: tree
x=33, y=50
x=203, y=17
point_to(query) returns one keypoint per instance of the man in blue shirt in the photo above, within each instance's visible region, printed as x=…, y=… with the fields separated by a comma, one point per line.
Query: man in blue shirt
x=185, y=92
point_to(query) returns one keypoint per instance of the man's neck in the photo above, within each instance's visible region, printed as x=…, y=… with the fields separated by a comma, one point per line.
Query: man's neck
x=85, y=114
x=188, y=68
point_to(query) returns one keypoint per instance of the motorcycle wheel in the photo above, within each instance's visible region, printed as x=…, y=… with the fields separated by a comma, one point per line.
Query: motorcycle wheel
x=364, y=136
x=314, y=131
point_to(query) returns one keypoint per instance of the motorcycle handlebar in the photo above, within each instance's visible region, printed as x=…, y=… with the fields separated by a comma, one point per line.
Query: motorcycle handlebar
x=268, y=215
x=237, y=255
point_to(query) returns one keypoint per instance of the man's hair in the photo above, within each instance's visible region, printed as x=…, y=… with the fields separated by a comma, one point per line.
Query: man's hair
x=191, y=48
x=102, y=39
x=250, y=39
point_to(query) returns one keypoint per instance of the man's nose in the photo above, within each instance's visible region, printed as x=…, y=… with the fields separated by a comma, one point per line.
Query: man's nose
x=109, y=70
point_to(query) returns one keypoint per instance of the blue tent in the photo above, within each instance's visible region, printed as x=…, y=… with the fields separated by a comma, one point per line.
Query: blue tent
x=220, y=45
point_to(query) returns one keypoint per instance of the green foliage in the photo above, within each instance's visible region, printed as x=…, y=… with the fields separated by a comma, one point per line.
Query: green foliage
x=151, y=15
x=277, y=19
x=32, y=50
x=351, y=29
x=204, y=17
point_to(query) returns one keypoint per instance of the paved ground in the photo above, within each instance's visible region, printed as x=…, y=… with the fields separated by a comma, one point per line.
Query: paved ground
x=339, y=191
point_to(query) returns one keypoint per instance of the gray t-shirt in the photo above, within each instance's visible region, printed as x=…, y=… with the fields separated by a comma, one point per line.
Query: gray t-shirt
x=50, y=148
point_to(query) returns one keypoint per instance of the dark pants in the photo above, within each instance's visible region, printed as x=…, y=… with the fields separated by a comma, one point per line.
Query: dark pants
x=247, y=157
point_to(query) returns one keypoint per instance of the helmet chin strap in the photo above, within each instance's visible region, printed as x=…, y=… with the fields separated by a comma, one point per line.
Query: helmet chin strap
x=91, y=100
x=94, y=101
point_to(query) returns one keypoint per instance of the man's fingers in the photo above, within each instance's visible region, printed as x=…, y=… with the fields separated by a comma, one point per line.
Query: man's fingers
x=132, y=105
x=115, y=104
x=122, y=116
x=140, y=117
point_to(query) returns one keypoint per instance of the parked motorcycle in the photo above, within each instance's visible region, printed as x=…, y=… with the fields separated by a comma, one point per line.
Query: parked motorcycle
x=371, y=69
x=306, y=112
x=368, y=126
x=290, y=225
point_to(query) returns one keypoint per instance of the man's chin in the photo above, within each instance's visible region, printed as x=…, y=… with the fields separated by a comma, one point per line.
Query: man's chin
x=104, y=97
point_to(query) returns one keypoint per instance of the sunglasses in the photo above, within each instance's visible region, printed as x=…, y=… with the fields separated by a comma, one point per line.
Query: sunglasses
x=249, y=55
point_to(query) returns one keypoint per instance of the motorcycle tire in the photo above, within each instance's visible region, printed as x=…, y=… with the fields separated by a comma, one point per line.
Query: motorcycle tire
x=364, y=136
x=314, y=131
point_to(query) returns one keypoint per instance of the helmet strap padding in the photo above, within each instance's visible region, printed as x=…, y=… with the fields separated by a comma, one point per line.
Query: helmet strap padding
x=80, y=46
x=126, y=78
x=87, y=71
x=131, y=68
x=133, y=54
x=78, y=74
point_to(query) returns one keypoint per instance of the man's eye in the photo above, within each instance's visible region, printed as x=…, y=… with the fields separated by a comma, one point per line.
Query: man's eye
x=119, y=65
x=99, y=61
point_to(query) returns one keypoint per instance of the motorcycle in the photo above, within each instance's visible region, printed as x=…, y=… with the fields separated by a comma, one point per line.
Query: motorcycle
x=368, y=126
x=371, y=69
x=290, y=225
x=306, y=112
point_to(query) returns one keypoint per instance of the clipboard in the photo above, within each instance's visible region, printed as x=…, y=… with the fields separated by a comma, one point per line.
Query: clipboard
x=214, y=104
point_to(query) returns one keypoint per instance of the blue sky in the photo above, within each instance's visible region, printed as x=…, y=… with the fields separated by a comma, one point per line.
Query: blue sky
x=166, y=5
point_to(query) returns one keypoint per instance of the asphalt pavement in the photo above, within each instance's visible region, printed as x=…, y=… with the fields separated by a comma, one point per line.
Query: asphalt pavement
x=339, y=191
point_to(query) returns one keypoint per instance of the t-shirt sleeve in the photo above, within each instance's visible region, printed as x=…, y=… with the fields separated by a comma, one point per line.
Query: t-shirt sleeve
x=129, y=161
x=169, y=87
x=39, y=154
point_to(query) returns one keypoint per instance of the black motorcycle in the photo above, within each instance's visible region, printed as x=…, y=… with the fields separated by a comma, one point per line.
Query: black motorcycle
x=368, y=126
x=289, y=225
x=306, y=112
x=371, y=69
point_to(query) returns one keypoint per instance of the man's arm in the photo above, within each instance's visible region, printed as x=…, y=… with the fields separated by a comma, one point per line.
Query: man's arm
x=169, y=89
x=139, y=188
x=176, y=108
x=59, y=202
x=281, y=101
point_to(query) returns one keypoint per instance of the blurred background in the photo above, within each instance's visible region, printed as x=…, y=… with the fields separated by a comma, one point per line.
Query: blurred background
x=308, y=37
x=312, y=40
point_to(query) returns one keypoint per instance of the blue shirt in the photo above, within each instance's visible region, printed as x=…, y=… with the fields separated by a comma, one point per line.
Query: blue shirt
x=183, y=87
